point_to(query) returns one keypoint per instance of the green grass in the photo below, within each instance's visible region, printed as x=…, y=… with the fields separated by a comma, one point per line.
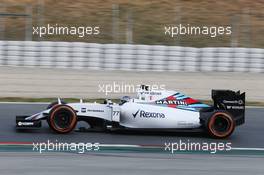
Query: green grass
x=99, y=100
x=48, y=100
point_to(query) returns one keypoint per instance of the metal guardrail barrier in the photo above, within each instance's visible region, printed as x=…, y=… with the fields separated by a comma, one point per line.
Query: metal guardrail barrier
x=94, y=56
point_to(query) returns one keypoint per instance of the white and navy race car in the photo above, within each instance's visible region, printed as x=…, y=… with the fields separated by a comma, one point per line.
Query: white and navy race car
x=150, y=110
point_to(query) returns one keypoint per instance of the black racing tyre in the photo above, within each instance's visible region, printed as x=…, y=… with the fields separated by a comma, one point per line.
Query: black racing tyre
x=220, y=125
x=62, y=119
x=53, y=104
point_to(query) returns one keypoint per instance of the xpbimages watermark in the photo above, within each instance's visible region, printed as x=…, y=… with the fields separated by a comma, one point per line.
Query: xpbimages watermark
x=122, y=87
x=212, y=31
x=212, y=147
x=65, y=147
x=79, y=31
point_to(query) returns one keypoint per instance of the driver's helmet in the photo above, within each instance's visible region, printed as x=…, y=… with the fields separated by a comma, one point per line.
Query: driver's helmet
x=125, y=99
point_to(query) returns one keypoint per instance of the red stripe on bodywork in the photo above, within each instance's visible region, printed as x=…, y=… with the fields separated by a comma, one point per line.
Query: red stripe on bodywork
x=171, y=98
x=190, y=101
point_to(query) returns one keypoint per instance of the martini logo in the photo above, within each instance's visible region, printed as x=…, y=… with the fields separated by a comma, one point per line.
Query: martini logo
x=145, y=114
x=171, y=102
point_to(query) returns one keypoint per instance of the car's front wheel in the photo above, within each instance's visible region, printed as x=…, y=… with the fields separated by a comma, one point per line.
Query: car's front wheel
x=62, y=119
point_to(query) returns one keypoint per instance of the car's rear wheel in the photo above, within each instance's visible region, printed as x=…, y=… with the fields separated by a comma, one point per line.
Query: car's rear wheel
x=220, y=125
x=62, y=119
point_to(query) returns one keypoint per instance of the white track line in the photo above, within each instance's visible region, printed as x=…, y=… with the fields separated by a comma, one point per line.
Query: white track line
x=248, y=149
x=133, y=146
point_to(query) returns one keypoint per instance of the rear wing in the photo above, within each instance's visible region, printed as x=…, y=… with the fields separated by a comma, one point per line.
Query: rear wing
x=232, y=102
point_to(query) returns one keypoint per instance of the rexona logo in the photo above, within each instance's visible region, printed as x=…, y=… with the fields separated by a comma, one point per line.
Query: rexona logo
x=146, y=114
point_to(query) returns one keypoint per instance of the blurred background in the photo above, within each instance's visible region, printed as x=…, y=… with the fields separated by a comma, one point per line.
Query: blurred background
x=131, y=46
x=138, y=21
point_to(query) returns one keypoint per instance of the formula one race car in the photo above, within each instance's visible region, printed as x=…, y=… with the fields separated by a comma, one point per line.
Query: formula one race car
x=151, y=110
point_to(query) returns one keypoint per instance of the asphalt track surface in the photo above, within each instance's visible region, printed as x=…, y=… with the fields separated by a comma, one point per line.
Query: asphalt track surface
x=128, y=164
x=111, y=163
x=249, y=135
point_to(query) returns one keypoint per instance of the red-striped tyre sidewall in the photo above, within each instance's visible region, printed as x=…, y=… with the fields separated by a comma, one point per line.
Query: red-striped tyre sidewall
x=228, y=118
x=53, y=115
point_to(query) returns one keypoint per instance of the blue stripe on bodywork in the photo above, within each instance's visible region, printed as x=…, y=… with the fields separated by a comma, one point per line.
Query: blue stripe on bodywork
x=182, y=97
x=199, y=105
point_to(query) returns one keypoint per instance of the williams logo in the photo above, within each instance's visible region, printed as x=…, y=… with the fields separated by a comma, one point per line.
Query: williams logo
x=146, y=114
